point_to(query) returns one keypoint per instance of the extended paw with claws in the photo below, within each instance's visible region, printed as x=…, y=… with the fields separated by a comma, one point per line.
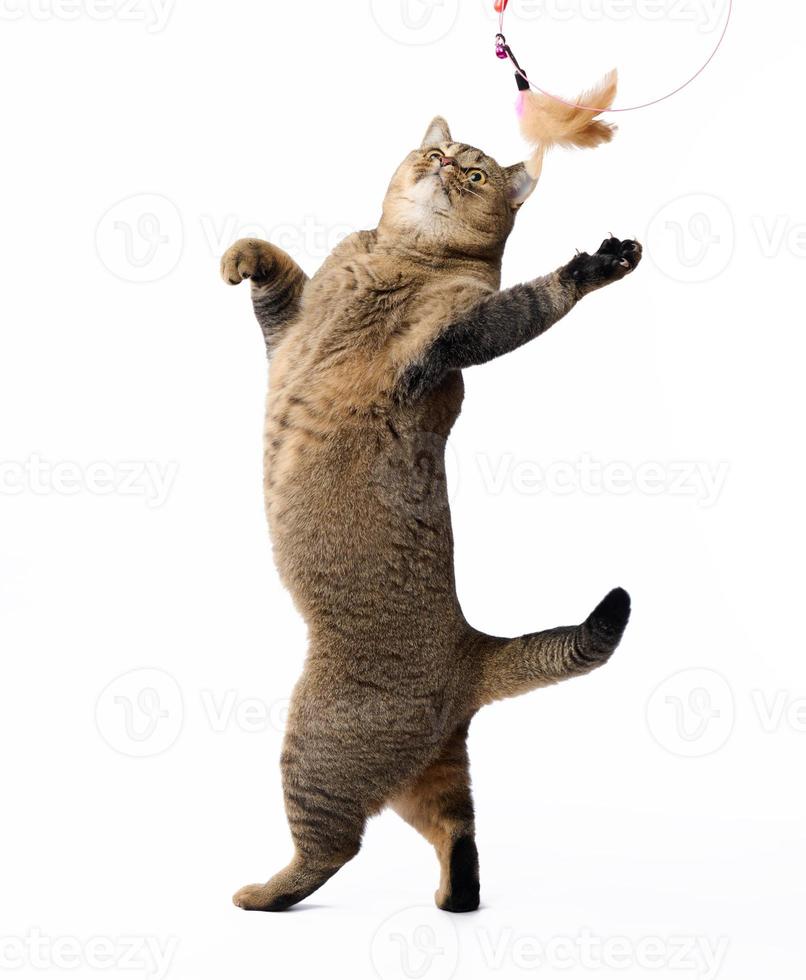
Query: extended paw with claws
x=614, y=260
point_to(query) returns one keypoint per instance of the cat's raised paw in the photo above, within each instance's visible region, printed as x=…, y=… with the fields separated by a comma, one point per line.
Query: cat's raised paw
x=614, y=260
x=248, y=258
x=627, y=253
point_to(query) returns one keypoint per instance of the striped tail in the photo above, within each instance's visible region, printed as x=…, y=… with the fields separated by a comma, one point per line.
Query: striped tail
x=513, y=667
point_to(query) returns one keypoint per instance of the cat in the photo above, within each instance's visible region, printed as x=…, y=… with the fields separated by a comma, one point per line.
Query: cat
x=365, y=384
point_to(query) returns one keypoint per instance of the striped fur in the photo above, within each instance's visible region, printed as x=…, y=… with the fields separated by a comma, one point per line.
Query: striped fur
x=365, y=385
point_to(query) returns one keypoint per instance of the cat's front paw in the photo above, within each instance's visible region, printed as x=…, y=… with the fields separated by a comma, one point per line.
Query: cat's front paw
x=614, y=260
x=249, y=258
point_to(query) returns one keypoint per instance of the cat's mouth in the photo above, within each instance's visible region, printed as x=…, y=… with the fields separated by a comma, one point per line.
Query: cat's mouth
x=442, y=181
x=433, y=189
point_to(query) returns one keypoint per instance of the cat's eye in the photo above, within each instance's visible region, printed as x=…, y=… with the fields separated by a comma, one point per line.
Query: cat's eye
x=477, y=177
x=435, y=155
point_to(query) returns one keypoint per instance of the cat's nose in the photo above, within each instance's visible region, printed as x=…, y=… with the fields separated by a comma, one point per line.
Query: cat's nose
x=447, y=161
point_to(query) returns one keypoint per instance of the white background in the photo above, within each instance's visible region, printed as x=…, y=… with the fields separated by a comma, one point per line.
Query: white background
x=642, y=818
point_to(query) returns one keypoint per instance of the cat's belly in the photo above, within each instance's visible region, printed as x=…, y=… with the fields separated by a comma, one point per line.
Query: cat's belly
x=361, y=528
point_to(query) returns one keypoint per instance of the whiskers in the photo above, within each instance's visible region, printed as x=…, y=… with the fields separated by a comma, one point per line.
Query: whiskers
x=465, y=188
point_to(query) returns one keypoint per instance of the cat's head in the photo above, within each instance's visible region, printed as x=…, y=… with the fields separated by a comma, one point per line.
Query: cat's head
x=454, y=196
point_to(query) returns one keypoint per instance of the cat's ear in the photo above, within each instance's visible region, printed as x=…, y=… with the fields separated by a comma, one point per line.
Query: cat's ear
x=520, y=184
x=437, y=133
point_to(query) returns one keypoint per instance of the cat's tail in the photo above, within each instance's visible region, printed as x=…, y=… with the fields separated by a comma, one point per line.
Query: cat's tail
x=512, y=667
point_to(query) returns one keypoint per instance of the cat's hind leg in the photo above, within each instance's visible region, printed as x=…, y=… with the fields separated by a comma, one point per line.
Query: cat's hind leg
x=439, y=805
x=295, y=882
x=511, y=667
x=327, y=834
x=326, y=816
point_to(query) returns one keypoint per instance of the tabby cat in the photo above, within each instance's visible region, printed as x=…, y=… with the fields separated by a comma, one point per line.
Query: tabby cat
x=365, y=384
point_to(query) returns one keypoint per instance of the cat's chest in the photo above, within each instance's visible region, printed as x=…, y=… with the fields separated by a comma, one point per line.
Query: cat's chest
x=387, y=300
x=362, y=291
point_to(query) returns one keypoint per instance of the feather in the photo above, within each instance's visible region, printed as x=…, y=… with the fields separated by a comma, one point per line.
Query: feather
x=548, y=122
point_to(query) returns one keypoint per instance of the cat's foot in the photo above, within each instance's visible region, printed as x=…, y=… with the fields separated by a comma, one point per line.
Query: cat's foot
x=461, y=892
x=248, y=897
x=614, y=260
x=260, y=898
x=249, y=258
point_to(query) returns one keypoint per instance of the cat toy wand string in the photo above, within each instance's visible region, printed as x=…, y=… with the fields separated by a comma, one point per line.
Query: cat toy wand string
x=504, y=51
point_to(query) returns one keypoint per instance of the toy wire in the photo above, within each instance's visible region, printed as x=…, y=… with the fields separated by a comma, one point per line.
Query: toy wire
x=525, y=82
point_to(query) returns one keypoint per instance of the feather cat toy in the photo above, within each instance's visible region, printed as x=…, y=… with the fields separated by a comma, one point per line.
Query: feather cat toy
x=547, y=121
